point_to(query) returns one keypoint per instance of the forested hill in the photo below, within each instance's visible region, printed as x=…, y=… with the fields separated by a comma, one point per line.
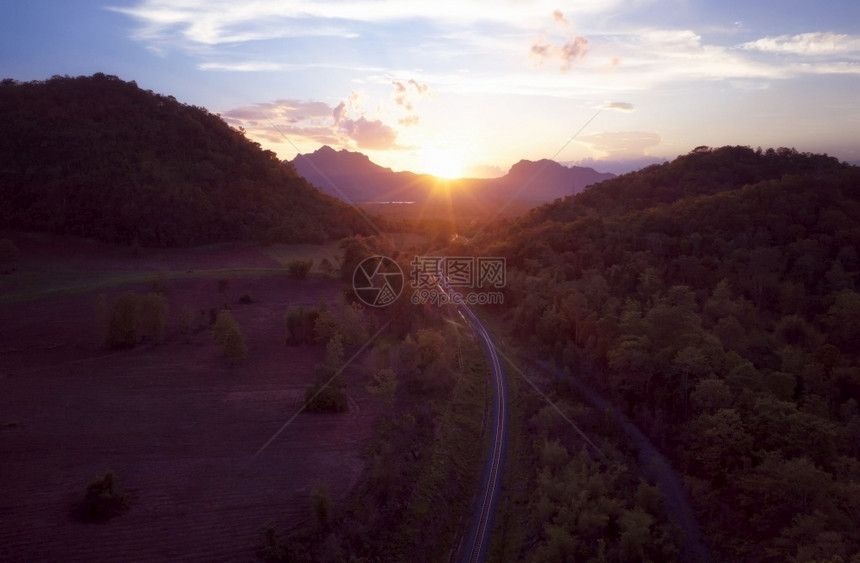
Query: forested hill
x=100, y=157
x=715, y=300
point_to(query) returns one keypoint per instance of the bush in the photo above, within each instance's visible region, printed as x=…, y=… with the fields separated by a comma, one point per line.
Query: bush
x=103, y=499
x=321, y=506
x=325, y=397
x=227, y=333
x=122, y=323
x=152, y=315
x=301, y=322
x=133, y=316
x=300, y=268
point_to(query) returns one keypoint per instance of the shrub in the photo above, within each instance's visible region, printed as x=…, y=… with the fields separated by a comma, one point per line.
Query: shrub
x=122, y=322
x=300, y=268
x=152, y=315
x=132, y=317
x=301, y=322
x=321, y=507
x=326, y=267
x=104, y=499
x=325, y=396
x=227, y=333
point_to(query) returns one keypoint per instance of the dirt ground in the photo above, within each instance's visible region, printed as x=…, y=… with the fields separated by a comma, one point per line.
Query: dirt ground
x=176, y=422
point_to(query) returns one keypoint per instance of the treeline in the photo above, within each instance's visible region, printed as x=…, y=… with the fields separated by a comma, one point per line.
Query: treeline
x=715, y=300
x=424, y=460
x=100, y=157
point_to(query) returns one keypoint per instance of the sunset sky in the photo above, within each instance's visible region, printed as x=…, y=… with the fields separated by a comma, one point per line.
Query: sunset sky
x=453, y=87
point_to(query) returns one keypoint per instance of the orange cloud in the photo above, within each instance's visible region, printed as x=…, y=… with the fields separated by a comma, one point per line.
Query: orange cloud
x=287, y=120
x=404, y=96
x=574, y=48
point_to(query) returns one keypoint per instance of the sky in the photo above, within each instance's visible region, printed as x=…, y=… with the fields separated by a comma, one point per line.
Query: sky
x=472, y=87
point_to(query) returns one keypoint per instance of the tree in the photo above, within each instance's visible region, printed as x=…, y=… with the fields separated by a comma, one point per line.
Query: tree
x=321, y=507
x=384, y=385
x=104, y=499
x=326, y=267
x=122, y=323
x=234, y=344
x=326, y=325
x=710, y=395
x=301, y=323
x=227, y=333
x=635, y=534
x=430, y=345
x=152, y=315
x=326, y=394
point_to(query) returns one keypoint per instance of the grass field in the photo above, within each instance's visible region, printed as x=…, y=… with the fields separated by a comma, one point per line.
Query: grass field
x=176, y=422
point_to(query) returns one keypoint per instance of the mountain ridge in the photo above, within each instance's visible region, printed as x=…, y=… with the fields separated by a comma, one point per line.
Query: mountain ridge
x=354, y=177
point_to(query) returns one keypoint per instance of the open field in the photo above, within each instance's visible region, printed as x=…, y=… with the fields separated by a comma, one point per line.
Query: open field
x=175, y=421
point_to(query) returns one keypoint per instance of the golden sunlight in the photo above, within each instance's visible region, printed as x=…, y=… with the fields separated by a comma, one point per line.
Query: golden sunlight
x=442, y=163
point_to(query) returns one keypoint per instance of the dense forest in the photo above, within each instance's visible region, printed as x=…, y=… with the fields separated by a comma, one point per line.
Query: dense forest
x=100, y=157
x=714, y=299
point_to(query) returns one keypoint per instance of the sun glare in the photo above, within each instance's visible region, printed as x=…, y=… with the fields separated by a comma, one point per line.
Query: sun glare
x=443, y=164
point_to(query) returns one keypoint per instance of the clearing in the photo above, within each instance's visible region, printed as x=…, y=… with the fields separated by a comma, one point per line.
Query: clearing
x=175, y=421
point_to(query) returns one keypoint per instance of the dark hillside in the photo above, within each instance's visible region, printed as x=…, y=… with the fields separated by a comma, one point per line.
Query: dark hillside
x=702, y=171
x=715, y=299
x=100, y=157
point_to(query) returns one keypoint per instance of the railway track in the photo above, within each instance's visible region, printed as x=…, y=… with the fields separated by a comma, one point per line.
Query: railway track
x=476, y=545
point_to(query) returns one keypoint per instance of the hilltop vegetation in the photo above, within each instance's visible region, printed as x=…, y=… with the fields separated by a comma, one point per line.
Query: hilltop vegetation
x=100, y=157
x=715, y=300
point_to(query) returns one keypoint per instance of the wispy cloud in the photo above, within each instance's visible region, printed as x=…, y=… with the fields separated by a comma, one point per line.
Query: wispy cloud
x=618, y=106
x=616, y=144
x=296, y=119
x=244, y=66
x=405, y=96
x=558, y=16
x=214, y=22
x=345, y=125
x=817, y=43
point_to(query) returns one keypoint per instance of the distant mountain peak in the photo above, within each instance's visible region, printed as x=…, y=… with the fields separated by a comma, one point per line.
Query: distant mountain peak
x=353, y=176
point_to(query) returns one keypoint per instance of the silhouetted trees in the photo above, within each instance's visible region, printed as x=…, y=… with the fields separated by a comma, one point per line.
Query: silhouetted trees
x=99, y=157
x=132, y=318
x=715, y=298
